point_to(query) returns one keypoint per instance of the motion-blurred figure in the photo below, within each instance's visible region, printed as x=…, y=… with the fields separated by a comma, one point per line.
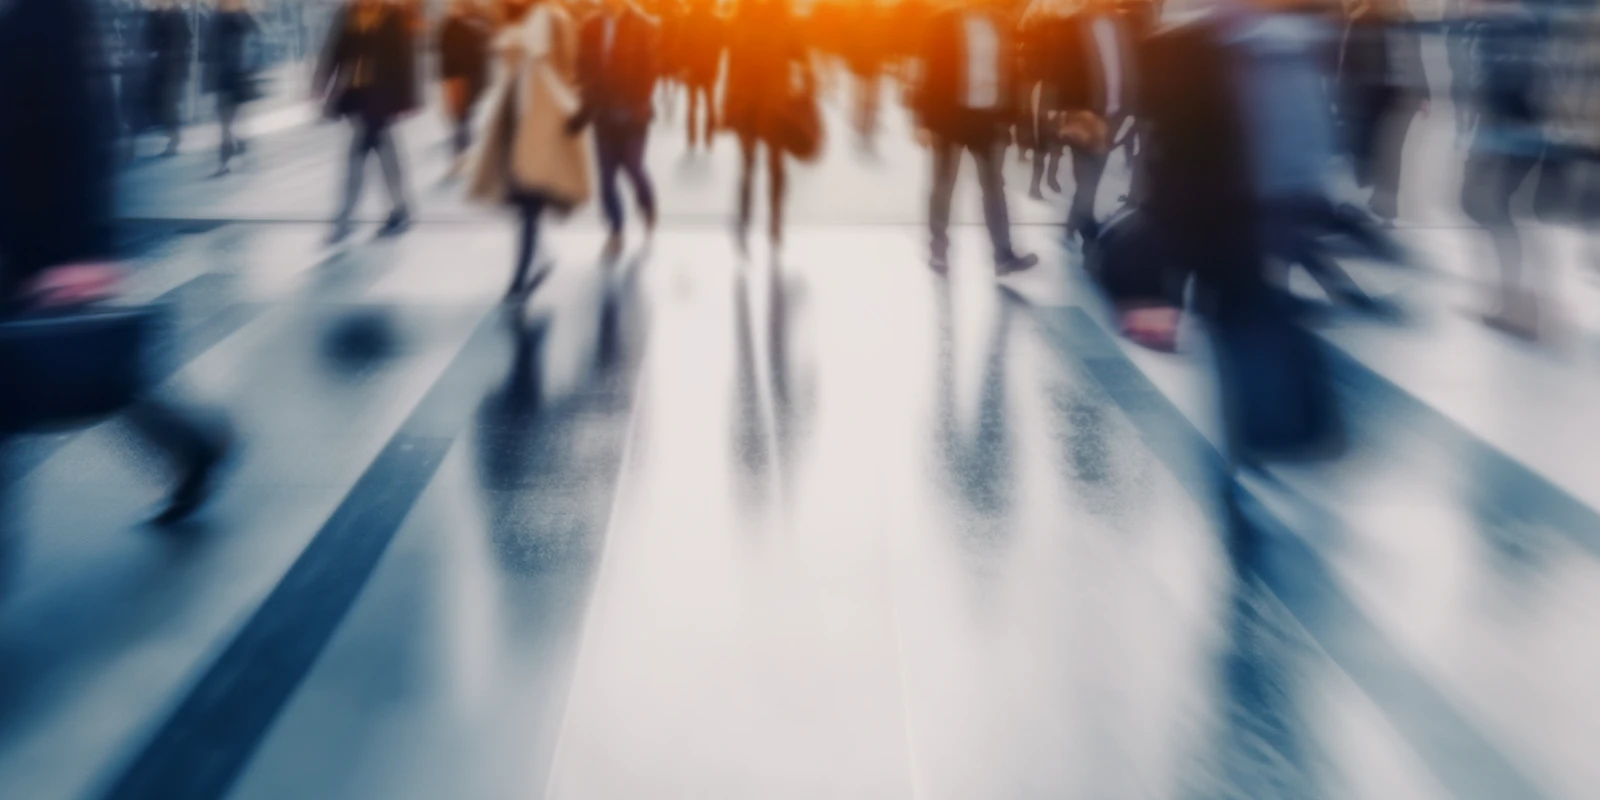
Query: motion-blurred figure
x=699, y=44
x=1460, y=19
x=1509, y=145
x=1043, y=28
x=463, y=68
x=368, y=75
x=1094, y=71
x=966, y=101
x=230, y=63
x=530, y=156
x=1381, y=89
x=166, y=52
x=618, y=63
x=769, y=77
x=865, y=42
x=57, y=187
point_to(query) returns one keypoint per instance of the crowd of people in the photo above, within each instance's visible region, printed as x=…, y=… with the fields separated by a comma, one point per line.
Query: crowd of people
x=1234, y=121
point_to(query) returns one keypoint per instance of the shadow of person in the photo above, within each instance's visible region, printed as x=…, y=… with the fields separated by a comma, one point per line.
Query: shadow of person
x=976, y=452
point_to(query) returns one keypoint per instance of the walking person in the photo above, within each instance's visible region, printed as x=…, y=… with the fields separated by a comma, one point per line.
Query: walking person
x=529, y=155
x=769, y=76
x=463, y=69
x=618, y=64
x=58, y=258
x=699, y=48
x=166, y=52
x=368, y=75
x=966, y=101
x=230, y=71
x=1382, y=88
x=1095, y=76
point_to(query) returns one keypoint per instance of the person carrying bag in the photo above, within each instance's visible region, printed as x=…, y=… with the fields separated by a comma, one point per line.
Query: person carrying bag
x=530, y=157
x=68, y=356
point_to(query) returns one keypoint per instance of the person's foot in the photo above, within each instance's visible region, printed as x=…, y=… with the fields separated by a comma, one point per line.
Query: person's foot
x=172, y=150
x=1014, y=263
x=939, y=263
x=613, y=248
x=1035, y=194
x=341, y=231
x=1054, y=184
x=221, y=171
x=398, y=223
x=198, y=480
x=741, y=240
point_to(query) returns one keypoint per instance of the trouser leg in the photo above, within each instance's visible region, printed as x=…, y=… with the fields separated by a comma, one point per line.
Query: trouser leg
x=990, y=159
x=946, y=167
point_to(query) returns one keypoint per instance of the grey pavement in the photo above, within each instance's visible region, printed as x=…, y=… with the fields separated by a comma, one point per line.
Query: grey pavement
x=808, y=525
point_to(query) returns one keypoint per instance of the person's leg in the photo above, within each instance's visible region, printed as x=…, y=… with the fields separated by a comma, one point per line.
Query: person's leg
x=226, y=111
x=747, y=168
x=393, y=175
x=1086, y=171
x=644, y=191
x=696, y=94
x=990, y=160
x=531, y=208
x=946, y=168
x=194, y=448
x=361, y=142
x=776, y=185
x=609, y=144
x=1036, y=189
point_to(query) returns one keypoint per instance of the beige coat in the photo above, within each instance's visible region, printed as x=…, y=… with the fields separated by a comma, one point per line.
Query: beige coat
x=524, y=146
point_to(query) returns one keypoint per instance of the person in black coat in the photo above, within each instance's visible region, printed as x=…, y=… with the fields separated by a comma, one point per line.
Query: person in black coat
x=166, y=53
x=367, y=74
x=463, y=66
x=699, y=48
x=967, y=100
x=230, y=70
x=1095, y=68
x=57, y=184
x=619, y=61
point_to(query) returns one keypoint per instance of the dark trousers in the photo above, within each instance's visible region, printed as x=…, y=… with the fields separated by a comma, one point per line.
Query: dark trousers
x=1086, y=171
x=227, y=115
x=531, y=209
x=371, y=136
x=747, y=177
x=990, y=157
x=700, y=96
x=621, y=149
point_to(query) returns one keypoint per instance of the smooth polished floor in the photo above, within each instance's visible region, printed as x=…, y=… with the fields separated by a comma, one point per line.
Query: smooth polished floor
x=807, y=525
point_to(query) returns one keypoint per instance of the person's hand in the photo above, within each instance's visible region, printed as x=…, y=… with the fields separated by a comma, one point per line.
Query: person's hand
x=74, y=284
x=924, y=138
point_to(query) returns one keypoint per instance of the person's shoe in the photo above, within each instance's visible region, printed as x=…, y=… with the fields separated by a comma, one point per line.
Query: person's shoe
x=613, y=249
x=197, y=483
x=939, y=263
x=341, y=231
x=1054, y=183
x=398, y=223
x=1014, y=263
x=221, y=171
x=1035, y=194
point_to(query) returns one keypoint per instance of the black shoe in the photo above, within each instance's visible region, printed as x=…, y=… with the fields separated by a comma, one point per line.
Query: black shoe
x=198, y=481
x=939, y=263
x=341, y=231
x=1014, y=263
x=397, y=224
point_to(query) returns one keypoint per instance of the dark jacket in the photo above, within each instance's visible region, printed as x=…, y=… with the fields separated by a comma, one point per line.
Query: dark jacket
x=1199, y=190
x=166, y=44
x=765, y=50
x=937, y=98
x=619, y=84
x=371, y=73
x=228, y=56
x=1078, y=74
x=464, y=50
x=56, y=135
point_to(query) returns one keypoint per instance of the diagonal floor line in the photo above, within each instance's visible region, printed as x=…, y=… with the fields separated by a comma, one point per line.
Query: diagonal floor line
x=204, y=744
x=1435, y=729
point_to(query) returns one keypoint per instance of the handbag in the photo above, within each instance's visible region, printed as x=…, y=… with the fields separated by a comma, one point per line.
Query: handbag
x=800, y=127
x=71, y=367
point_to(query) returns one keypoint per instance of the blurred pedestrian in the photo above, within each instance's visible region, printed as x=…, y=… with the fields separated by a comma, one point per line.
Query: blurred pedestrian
x=1094, y=72
x=368, y=75
x=1045, y=26
x=57, y=252
x=230, y=58
x=618, y=64
x=463, y=68
x=769, y=79
x=166, y=53
x=1510, y=143
x=966, y=101
x=699, y=47
x=529, y=156
x=1381, y=89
